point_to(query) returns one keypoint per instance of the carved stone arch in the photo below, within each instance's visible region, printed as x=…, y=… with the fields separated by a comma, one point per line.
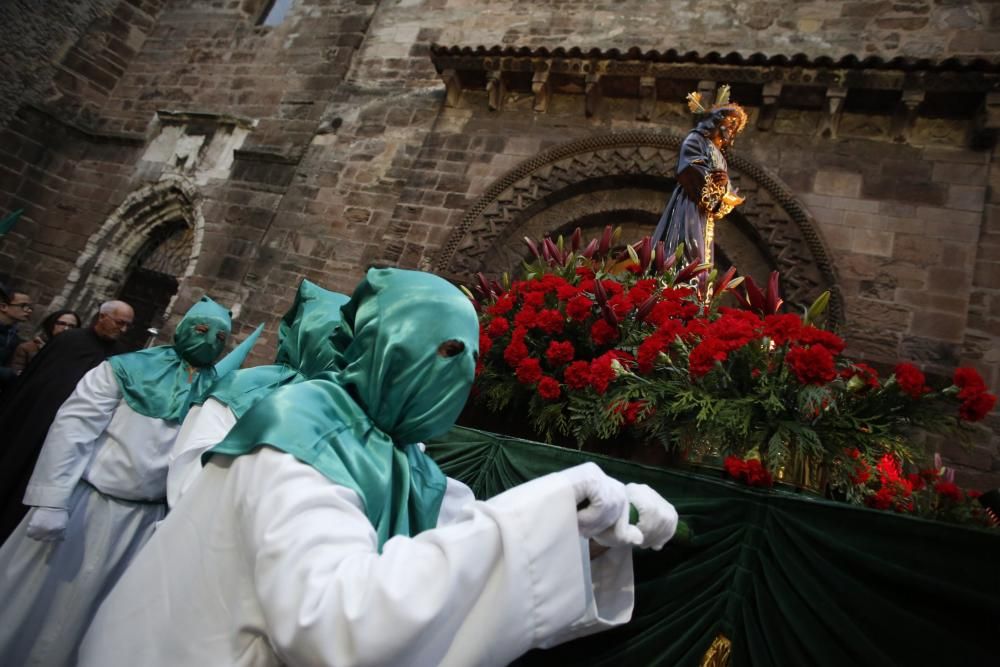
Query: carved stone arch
x=159, y=224
x=625, y=178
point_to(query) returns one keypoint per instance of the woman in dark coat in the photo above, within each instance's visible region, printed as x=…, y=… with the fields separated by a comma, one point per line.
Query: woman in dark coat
x=54, y=324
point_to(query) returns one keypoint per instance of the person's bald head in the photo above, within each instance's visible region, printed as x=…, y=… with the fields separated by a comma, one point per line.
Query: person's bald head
x=113, y=319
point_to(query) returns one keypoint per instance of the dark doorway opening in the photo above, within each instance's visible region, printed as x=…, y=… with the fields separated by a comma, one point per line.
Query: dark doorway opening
x=153, y=279
x=149, y=294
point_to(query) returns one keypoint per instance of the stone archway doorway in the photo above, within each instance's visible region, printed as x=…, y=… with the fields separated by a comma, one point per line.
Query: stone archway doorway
x=141, y=254
x=625, y=179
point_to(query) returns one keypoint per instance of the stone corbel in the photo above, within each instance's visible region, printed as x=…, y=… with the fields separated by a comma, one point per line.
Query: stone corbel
x=541, y=89
x=495, y=89
x=830, y=123
x=769, y=107
x=592, y=93
x=452, y=88
x=906, y=115
x=987, y=122
x=647, y=97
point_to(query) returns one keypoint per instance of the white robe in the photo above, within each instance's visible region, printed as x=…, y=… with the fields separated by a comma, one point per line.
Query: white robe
x=106, y=464
x=264, y=562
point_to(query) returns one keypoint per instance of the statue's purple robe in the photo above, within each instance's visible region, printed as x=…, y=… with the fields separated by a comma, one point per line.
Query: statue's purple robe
x=683, y=220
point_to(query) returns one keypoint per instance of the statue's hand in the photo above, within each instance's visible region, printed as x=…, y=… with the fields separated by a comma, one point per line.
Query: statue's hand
x=732, y=200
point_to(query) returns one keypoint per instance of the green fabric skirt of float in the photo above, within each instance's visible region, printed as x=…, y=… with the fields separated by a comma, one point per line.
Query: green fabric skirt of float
x=788, y=579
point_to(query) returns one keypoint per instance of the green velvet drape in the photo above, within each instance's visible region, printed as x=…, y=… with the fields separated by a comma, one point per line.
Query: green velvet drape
x=789, y=579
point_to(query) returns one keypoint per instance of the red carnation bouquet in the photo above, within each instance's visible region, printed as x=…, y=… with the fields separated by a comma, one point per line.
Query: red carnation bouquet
x=593, y=344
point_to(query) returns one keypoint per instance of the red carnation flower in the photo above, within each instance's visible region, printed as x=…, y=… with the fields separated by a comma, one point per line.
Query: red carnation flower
x=975, y=408
x=704, y=356
x=584, y=272
x=516, y=352
x=968, y=378
x=666, y=310
x=485, y=344
x=534, y=300
x=498, y=327
x=756, y=474
x=566, y=292
x=649, y=350
x=560, y=352
x=735, y=466
x=548, y=388
x=949, y=490
x=527, y=318
x=910, y=380
x=603, y=333
x=529, y=371
x=782, y=328
x=889, y=469
x=601, y=372
x=577, y=375
x=811, y=365
x=503, y=305
x=620, y=305
x=550, y=321
x=579, y=308
x=629, y=410
x=883, y=499
x=812, y=336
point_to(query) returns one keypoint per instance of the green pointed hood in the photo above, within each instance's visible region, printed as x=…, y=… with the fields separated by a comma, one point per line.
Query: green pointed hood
x=304, y=349
x=392, y=384
x=163, y=382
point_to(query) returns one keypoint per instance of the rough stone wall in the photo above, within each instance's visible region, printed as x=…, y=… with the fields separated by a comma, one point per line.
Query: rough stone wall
x=353, y=158
x=68, y=53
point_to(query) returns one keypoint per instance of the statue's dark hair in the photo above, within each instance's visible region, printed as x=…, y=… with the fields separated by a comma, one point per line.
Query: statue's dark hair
x=711, y=121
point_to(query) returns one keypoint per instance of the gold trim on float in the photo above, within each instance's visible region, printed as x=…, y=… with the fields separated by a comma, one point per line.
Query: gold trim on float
x=718, y=653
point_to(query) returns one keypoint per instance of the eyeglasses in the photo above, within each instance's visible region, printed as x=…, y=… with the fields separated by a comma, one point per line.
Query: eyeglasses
x=26, y=307
x=68, y=325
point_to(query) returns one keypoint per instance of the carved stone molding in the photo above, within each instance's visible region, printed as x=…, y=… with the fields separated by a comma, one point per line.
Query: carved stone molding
x=102, y=267
x=782, y=224
x=898, y=89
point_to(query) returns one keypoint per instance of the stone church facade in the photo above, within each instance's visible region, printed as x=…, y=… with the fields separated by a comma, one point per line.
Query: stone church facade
x=161, y=149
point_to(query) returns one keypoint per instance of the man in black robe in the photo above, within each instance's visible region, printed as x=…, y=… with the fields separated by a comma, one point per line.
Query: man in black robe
x=29, y=405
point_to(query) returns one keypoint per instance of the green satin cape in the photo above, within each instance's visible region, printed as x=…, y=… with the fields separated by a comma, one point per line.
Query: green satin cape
x=389, y=387
x=304, y=349
x=163, y=382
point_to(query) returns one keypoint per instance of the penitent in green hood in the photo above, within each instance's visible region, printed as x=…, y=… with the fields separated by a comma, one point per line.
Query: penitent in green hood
x=405, y=355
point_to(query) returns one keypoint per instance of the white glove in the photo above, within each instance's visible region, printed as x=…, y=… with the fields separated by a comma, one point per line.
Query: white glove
x=605, y=499
x=47, y=524
x=657, y=517
x=621, y=533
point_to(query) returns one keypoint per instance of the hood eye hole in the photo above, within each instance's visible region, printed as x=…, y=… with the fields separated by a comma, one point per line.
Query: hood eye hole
x=451, y=348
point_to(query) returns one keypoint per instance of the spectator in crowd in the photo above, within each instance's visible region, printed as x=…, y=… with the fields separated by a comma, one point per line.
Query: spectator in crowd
x=54, y=324
x=30, y=404
x=15, y=308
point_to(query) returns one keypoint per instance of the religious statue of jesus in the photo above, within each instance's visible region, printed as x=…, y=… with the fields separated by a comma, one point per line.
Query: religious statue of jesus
x=703, y=194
